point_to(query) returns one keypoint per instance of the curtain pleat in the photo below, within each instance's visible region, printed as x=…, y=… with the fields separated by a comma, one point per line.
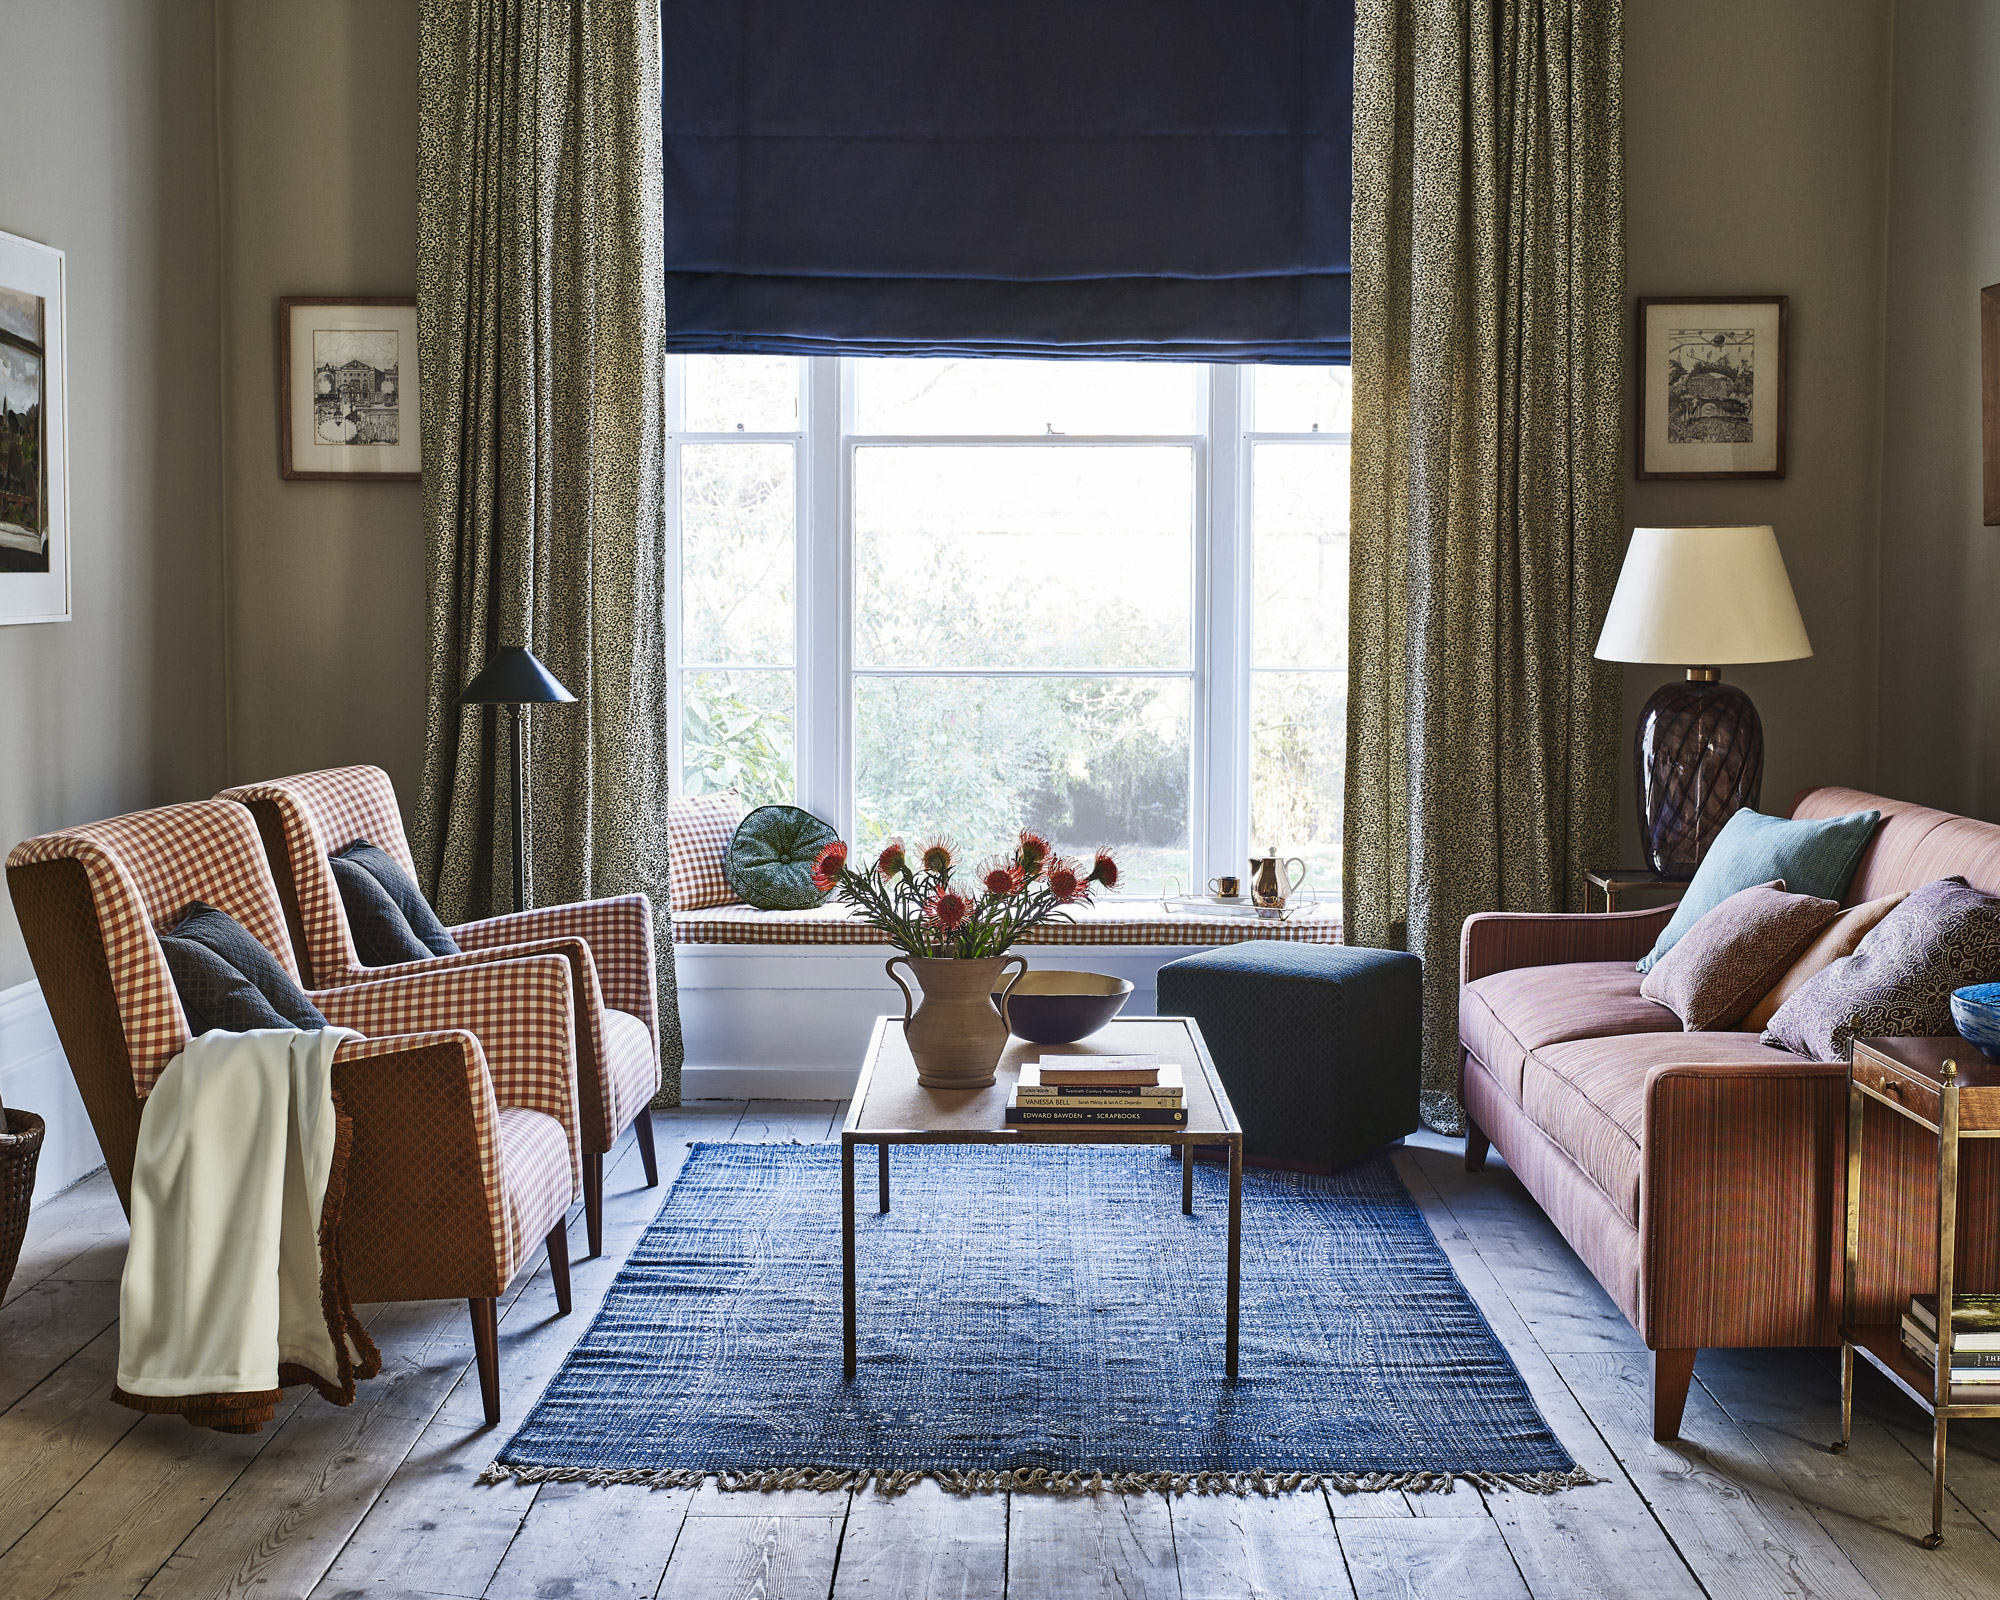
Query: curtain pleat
x=540, y=305
x=1488, y=474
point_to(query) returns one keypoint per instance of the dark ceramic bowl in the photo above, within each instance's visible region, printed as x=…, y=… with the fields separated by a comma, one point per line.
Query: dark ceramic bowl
x=1061, y=1007
x=1975, y=1010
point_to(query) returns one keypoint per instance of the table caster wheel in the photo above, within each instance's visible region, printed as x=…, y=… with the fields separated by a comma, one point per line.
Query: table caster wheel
x=1838, y=1447
x=1933, y=1540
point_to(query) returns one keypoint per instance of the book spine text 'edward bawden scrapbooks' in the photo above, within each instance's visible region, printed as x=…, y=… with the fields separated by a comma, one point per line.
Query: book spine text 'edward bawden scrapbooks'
x=1102, y=1118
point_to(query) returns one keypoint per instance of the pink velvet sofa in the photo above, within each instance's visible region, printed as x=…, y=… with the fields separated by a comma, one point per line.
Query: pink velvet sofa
x=1701, y=1176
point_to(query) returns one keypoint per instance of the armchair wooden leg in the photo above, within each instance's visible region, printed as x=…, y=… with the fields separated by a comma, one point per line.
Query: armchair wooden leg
x=642, y=1130
x=1476, y=1146
x=593, y=1202
x=486, y=1349
x=558, y=1242
x=1672, y=1372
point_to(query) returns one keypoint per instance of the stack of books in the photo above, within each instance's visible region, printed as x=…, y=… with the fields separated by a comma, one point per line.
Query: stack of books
x=1975, y=1341
x=1098, y=1092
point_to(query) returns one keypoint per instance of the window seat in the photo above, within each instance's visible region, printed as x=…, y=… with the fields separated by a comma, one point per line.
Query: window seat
x=1108, y=922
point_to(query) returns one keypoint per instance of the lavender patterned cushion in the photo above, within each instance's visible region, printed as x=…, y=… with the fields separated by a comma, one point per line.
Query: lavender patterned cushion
x=1732, y=955
x=1899, y=981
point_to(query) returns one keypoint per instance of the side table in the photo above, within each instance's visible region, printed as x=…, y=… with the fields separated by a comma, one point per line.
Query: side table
x=1614, y=881
x=1950, y=1090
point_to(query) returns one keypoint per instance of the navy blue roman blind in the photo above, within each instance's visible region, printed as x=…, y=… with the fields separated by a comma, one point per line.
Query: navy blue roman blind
x=1154, y=178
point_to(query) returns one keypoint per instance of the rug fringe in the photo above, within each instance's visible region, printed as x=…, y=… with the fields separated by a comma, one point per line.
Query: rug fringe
x=954, y=1480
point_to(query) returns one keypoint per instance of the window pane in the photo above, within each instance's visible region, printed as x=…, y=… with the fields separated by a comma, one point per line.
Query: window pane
x=1023, y=555
x=737, y=564
x=736, y=733
x=1298, y=764
x=731, y=394
x=1299, y=511
x=1031, y=397
x=1302, y=399
x=1086, y=761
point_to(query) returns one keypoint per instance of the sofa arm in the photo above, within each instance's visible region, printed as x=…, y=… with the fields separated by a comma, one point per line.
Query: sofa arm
x=521, y=1011
x=423, y=1214
x=619, y=932
x=1739, y=1199
x=1499, y=941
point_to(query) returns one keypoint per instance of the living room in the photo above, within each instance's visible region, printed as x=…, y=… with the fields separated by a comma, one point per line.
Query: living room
x=1326, y=512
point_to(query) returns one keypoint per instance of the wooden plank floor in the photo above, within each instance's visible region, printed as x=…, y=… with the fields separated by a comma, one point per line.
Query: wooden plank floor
x=380, y=1499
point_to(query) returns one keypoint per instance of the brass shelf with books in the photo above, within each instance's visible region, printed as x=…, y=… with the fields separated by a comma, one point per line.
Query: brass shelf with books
x=1948, y=1088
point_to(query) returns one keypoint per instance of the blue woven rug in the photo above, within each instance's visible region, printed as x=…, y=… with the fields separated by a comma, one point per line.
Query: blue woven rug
x=1040, y=1317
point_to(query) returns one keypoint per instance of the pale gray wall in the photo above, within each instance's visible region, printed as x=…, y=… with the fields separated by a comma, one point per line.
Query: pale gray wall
x=319, y=196
x=1940, y=569
x=108, y=132
x=1756, y=163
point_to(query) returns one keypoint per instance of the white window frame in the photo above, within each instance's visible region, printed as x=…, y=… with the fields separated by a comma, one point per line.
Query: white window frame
x=1220, y=670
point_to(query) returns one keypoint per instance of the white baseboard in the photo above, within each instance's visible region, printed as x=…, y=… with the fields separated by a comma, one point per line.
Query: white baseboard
x=35, y=1076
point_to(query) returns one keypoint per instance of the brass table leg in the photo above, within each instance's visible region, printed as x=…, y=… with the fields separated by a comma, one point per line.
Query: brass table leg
x=847, y=1251
x=1850, y=1247
x=882, y=1176
x=1235, y=1253
x=1187, y=1179
x=1947, y=1246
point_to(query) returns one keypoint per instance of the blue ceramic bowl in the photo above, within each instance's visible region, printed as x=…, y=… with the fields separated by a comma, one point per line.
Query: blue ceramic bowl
x=1061, y=1007
x=1976, y=1011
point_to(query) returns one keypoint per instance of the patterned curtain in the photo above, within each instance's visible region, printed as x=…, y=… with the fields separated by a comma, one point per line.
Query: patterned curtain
x=539, y=289
x=1488, y=474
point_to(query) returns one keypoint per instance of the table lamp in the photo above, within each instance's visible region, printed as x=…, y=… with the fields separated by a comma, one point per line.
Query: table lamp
x=513, y=677
x=1700, y=598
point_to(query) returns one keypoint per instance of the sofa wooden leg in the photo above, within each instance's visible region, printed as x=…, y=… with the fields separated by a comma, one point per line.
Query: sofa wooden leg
x=593, y=1202
x=642, y=1130
x=1476, y=1146
x=486, y=1350
x=1672, y=1371
x=558, y=1243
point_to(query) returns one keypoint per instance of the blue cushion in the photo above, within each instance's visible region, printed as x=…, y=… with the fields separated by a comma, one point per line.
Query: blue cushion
x=1816, y=858
x=226, y=979
x=387, y=913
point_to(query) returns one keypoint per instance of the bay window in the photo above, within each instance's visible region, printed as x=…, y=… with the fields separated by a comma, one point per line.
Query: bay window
x=958, y=597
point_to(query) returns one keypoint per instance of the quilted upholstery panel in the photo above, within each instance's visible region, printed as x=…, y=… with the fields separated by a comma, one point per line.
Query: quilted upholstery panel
x=143, y=870
x=1502, y=1017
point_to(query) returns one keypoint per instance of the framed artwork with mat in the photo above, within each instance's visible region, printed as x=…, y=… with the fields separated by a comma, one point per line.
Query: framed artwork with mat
x=347, y=388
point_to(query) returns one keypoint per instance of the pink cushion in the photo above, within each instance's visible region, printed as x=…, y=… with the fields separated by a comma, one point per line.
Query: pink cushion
x=1589, y=1097
x=1505, y=1015
x=1726, y=962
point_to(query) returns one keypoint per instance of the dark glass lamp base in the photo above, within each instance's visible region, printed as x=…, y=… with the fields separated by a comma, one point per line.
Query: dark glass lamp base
x=1699, y=752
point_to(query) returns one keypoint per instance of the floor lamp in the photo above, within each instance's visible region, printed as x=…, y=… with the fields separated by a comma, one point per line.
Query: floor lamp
x=512, y=677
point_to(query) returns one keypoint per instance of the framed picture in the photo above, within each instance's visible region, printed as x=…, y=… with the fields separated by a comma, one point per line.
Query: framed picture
x=34, y=434
x=1712, y=387
x=1989, y=397
x=347, y=388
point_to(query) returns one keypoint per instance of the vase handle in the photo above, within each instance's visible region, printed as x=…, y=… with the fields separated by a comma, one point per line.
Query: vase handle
x=909, y=1000
x=1007, y=993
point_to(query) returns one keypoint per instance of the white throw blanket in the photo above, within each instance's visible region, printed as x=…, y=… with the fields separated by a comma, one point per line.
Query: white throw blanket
x=231, y=1285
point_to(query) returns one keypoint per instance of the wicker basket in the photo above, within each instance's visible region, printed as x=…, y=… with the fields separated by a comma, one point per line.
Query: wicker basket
x=20, y=1149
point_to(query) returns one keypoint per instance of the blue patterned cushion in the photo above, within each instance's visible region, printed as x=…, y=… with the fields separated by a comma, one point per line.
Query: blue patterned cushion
x=1815, y=858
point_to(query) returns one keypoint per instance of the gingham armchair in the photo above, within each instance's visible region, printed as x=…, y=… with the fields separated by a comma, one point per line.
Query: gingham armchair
x=608, y=944
x=462, y=1091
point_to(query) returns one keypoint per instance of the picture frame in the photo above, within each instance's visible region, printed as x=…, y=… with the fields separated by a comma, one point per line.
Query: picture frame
x=348, y=389
x=1989, y=398
x=1712, y=386
x=34, y=432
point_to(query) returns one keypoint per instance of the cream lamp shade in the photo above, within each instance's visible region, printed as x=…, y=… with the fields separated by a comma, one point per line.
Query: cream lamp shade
x=1703, y=597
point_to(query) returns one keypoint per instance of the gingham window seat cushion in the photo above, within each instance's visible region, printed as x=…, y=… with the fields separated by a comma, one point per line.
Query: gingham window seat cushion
x=1136, y=921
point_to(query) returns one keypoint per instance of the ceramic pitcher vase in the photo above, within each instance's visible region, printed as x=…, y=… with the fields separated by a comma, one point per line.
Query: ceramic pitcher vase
x=955, y=1035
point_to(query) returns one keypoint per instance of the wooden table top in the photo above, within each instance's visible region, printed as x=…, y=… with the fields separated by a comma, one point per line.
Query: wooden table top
x=1911, y=1073
x=889, y=1100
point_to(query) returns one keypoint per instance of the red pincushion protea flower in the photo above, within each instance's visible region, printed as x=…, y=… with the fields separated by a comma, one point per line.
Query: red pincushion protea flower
x=937, y=857
x=1005, y=880
x=892, y=860
x=831, y=864
x=1033, y=852
x=1104, y=870
x=1065, y=882
x=949, y=910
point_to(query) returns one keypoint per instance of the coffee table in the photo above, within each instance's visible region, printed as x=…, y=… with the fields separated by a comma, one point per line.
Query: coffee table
x=891, y=1107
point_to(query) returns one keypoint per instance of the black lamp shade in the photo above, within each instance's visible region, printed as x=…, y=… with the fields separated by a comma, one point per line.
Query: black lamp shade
x=513, y=677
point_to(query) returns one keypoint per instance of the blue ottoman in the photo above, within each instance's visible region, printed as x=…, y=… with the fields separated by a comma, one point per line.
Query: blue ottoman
x=1319, y=1046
